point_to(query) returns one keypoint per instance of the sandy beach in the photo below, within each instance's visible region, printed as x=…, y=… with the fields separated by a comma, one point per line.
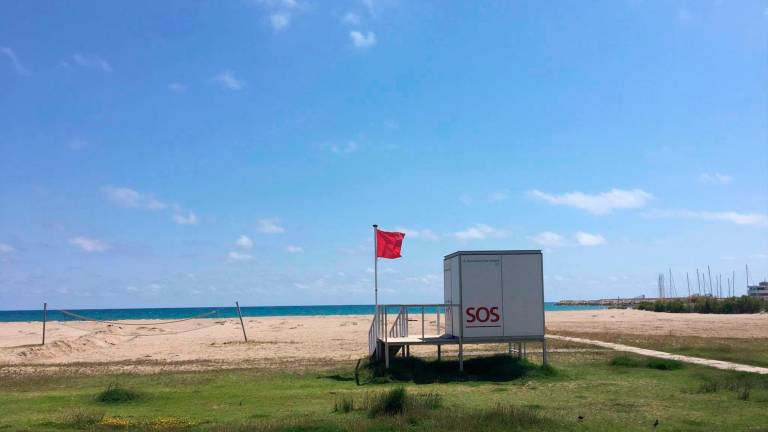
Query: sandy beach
x=294, y=341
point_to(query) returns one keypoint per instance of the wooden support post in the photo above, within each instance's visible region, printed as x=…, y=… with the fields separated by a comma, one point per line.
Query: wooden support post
x=509, y=348
x=386, y=355
x=438, y=352
x=422, y=322
x=461, y=356
x=544, y=351
x=45, y=318
x=240, y=315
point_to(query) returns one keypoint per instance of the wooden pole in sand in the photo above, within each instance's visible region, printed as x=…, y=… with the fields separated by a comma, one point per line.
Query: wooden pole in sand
x=45, y=318
x=240, y=315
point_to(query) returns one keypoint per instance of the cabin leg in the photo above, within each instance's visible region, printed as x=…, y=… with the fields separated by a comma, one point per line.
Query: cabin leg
x=438, y=352
x=509, y=348
x=386, y=355
x=461, y=357
x=544, y=351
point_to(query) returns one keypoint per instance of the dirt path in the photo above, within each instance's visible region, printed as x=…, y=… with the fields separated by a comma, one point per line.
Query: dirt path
x=718, y=364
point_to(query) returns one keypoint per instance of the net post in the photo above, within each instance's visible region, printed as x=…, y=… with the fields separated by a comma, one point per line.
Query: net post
x=240, y=315
x=45, y=318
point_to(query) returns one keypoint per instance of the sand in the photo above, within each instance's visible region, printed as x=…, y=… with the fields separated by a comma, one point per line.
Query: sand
x=296, y=341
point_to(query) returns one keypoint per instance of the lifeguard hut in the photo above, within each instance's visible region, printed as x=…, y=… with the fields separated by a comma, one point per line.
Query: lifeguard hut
x=489, y=297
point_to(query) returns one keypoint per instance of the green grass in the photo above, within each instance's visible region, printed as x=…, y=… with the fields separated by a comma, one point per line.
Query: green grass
x=707, y=305
x=587, y=385
x=653, y=363
x=114, y=393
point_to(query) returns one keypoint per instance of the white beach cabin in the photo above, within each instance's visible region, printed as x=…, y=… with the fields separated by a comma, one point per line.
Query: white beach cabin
x=489, y=297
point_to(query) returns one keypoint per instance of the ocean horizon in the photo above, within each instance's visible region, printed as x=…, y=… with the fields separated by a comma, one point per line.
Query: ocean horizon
x=218, y=312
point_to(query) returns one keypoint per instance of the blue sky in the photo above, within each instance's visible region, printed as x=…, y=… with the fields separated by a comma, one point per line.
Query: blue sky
x=183, y=153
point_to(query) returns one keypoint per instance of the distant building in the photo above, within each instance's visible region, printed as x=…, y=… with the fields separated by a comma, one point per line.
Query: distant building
x=759, y=290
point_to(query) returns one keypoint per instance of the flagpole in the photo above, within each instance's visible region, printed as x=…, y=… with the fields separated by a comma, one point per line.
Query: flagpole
x=375, y=266
x=376, y=277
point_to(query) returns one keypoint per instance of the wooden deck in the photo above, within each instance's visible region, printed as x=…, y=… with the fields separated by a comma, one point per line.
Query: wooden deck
x=421, y=340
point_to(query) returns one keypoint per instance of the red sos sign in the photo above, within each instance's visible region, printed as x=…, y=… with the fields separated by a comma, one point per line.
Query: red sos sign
x=482, y=314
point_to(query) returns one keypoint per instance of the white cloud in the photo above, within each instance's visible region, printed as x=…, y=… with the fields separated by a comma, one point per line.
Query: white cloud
x=269, y=226
x=177, y=87
x=89, y=244
x=429, y=279
x=14, y=59
x=228, y=80
x=360, y=40
x=599, y=204
x=549, y=238
x=244, y=242
x=346, y=148
x=294, y=249
x=92, y=62
x=127, y=197
x=238, y=256
x=130, y=198
x=6, y=248
x=351, y=18
x=189, y=219
x=715, y=178
x=281, y=12
x=279, y=20
x=756, y=219
x=382, y=270
x=553, y=239
x=426, y=234
x=314, y=285
x=587, y=239
x=152, y=288
x=480, y=232
x=498, y=196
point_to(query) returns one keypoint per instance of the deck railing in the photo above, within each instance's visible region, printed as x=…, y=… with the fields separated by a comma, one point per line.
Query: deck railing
x=380, y=328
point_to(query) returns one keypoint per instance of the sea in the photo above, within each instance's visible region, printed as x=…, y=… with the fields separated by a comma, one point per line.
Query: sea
x=216, y=312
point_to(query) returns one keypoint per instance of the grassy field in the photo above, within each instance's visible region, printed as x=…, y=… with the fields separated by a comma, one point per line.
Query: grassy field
x=738, y=350
x=582, y=392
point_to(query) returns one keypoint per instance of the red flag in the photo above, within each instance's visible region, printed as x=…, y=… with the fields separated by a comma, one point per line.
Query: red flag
x=388, y=244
